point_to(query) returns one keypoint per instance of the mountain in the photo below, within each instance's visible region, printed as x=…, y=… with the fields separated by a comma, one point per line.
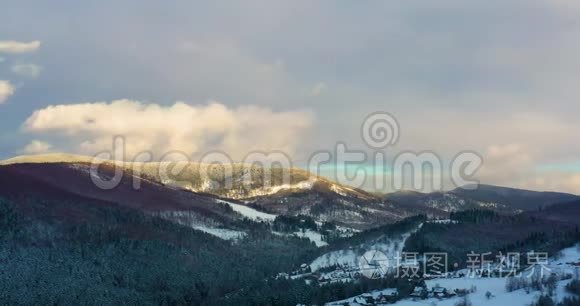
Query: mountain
x=567, y=212
x=515, y=198
x=194, y=193
x=204, y=194
x=72, y=183
x=66, y=250
x=501, y=199
x=183, y=239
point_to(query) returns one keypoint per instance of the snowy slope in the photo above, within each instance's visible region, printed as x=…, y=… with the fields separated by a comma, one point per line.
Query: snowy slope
x=222, y=233
x=190, y=219
x=350, y=257
x=313, y=236
x=249, y=212
x=375, y=294
x=496, y=286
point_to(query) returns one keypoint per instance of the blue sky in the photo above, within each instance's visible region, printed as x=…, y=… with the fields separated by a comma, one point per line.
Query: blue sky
x=496, y=77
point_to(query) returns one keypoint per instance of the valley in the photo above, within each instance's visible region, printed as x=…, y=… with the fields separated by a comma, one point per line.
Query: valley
x=209, y=246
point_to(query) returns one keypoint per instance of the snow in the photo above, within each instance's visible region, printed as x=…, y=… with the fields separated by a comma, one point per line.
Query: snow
x=191, y=219
x=567, y=255
x=222, y=233
x=561, y=265
x=338, y=190
x=375, y=294
x=249, y=212
x=494, y=285
x=341, y=257
x=313, y=236
x=391, y=249
x=265, y=191
x=443, y=221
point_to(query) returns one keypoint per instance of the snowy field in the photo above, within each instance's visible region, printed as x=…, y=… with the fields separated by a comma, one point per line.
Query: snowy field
x=249, y=212
x=349, y=257
x=314, y=236
x=258, y=216
x=496, y=286
x=221, y=233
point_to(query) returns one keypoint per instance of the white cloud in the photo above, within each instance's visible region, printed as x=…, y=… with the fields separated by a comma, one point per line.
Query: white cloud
x=27, y=70
x=11, y=46
x=37, y=147
x=6, y=90
x=192, y=129
x=516, y=165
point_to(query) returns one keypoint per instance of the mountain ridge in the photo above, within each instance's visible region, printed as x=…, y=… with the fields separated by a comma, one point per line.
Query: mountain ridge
x=503, y=199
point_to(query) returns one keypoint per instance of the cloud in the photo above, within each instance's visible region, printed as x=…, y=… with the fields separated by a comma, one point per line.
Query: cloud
x=192, y=129
x=6, y=90
x=225, y=70
x=27, y=70
x=10, y=46
x=463, y=71
x=37, y=147
x=318, y=89
x=516, y=165
x=510, y=162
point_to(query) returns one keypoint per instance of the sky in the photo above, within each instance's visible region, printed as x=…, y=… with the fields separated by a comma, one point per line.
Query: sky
x=499, y=78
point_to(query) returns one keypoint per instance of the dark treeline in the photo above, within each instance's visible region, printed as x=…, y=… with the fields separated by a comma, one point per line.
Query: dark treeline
x=483, y=231
x=111, y=255
x=287, y=292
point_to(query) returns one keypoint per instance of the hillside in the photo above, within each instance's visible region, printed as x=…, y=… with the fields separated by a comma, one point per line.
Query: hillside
x=189, y=186
x=85, y=252
x=500, y=199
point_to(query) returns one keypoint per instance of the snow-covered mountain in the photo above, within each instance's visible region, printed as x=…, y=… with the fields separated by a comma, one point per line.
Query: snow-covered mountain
x=307, y=230
x=270, y=192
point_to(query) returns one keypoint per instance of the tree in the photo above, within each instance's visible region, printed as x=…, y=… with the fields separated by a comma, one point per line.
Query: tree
x=551, y=284
x=544, y=300
x=574, y=287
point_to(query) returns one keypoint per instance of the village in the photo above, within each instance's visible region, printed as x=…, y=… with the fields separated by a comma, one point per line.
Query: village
x=451, y=285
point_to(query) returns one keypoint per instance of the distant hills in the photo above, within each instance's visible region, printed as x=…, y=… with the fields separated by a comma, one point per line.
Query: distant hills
x=501, y=199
